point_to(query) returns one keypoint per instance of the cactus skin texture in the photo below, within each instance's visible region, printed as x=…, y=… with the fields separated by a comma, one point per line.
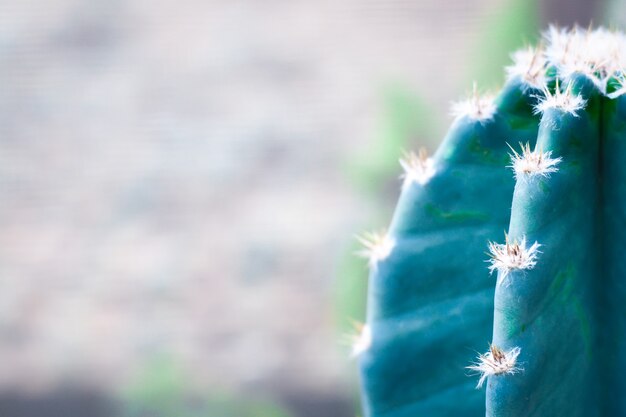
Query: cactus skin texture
x=614, y=217
x=555, y=315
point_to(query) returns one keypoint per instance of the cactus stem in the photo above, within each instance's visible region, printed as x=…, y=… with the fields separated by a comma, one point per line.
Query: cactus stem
x=511, y=256
x=565, y=101
x=417, y=168
x=495, y=362
x=476, y=107
x=377, y=246
x=532, y=163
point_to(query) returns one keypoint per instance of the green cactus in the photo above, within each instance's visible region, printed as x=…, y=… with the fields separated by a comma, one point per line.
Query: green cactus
x=552, y=317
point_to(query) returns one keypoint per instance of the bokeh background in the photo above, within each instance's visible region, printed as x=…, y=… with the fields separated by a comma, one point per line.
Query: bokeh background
x=181, y=182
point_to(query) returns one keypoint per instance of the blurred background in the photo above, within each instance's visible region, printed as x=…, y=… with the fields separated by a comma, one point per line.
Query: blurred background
x=181, y=183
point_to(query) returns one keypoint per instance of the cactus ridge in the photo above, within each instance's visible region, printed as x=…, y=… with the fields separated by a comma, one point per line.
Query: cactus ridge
x=554, y=316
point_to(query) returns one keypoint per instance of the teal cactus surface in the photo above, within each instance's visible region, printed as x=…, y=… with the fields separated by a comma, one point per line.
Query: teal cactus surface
x=545, y=163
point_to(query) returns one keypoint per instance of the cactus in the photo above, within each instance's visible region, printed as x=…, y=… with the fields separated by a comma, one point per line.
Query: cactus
x=544, y=161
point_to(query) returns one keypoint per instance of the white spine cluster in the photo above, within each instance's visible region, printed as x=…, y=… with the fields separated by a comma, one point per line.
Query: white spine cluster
x=565, y=101
x=528, y=164
x=362, y=341
x=417, y=168
x=476, y=107
x=598, y=53
x=511, y=256
x=530, y=65
x=496, y=362
x=621, y=79
x=377, y=246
